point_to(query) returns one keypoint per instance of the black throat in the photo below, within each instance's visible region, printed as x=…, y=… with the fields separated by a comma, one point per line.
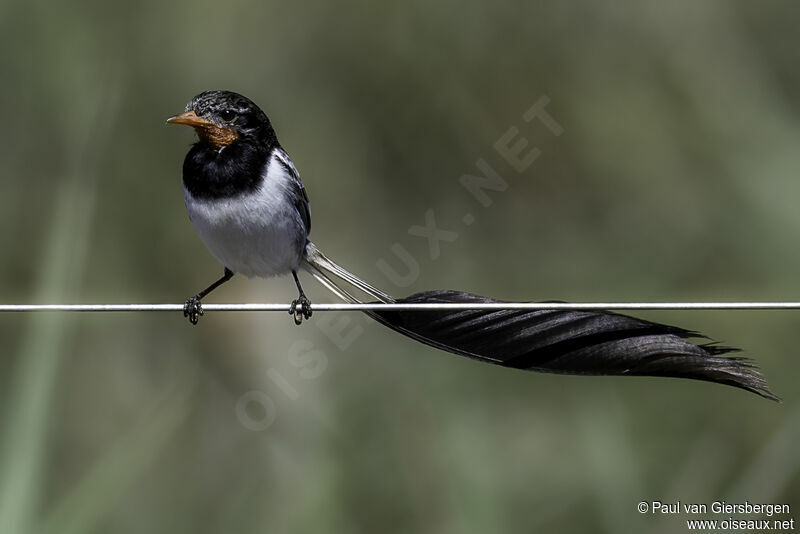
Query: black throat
x=237, y=169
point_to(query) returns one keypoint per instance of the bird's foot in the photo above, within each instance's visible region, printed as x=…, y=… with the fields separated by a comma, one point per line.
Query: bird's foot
x=300, y=309
x=193, y=309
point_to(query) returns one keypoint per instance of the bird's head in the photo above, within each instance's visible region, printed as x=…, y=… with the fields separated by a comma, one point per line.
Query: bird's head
x=223, y=117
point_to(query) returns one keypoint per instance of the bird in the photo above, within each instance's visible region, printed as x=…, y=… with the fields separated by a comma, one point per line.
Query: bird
x=245, y=199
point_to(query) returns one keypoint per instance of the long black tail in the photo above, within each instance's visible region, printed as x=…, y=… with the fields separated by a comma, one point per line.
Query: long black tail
x=553, y=341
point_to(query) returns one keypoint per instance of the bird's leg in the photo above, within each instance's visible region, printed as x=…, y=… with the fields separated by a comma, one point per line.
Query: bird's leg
x=192, y=308
x=301, y=307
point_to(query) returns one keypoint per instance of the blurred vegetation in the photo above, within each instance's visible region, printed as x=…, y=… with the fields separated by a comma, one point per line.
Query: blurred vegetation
x=675, y=179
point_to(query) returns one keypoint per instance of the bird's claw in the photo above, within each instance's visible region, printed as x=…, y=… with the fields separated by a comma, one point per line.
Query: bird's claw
x=300, y=309
x=193, y=309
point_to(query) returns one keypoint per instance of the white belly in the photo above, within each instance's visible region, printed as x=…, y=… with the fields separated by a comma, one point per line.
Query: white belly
x=259, y=234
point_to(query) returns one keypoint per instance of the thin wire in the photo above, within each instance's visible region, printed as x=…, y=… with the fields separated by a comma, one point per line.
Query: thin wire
x=411, y=307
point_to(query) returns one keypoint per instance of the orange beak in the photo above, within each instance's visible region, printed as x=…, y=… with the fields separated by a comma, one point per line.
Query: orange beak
x=190, y=118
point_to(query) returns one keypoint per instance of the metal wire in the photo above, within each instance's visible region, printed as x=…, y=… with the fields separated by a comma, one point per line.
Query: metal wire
x=411, y=307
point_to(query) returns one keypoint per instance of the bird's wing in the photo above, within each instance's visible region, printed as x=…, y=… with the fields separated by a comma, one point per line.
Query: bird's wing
x=298, y=190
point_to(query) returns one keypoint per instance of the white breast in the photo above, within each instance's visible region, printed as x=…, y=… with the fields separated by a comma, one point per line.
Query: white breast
x=257, y=234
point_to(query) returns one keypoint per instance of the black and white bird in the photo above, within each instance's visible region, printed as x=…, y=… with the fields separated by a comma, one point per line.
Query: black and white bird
x=247, y=203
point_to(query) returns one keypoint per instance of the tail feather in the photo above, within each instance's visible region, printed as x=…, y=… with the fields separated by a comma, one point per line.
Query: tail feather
x=315, y=258
x=554, y=341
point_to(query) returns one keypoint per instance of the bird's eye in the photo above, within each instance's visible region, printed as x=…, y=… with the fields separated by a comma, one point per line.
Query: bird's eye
x=227, y=115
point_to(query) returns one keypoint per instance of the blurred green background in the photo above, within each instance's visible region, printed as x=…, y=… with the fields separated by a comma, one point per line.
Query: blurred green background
x=675, y=179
